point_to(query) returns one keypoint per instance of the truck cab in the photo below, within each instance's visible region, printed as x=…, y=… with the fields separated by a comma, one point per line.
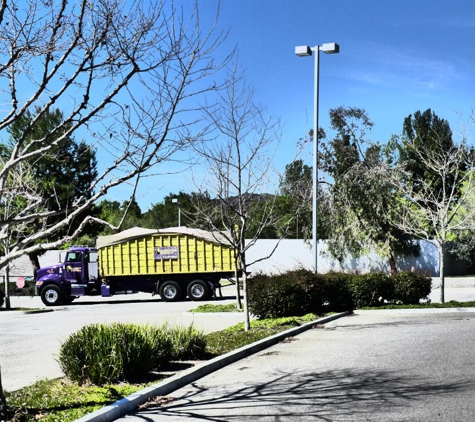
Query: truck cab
x=76, y=275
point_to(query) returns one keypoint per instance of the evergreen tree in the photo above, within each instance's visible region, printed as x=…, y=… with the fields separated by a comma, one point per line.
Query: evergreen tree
x=296, y=190
x=425, y=130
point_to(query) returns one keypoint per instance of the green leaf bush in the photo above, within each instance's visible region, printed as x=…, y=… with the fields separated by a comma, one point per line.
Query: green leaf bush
x=299, y=292
x=336, y=291
x=281, y=295
x=411, y=286
x=102, y=354
x=375, y=289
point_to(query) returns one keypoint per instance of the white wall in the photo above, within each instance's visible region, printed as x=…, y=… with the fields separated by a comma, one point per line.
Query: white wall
x=22, y=266
x=294, y=253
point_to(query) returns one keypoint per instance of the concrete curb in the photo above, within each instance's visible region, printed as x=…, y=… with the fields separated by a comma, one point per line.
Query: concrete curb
x=128, y=404
x=414, y=311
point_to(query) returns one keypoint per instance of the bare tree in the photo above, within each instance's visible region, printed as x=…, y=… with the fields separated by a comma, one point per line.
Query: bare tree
x=124, y=74
x=435, y=214
x=238, y=162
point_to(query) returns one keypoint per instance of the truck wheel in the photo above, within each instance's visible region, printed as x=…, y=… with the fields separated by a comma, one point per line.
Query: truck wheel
x=170, y=291
x=52, y=295
x=198, y=290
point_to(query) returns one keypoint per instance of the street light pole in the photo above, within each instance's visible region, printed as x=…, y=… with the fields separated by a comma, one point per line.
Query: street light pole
x=302, y=51
x=177, y=201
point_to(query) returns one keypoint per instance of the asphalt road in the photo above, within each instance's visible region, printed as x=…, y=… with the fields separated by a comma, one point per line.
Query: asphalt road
x=373, y=366
x=30, y=342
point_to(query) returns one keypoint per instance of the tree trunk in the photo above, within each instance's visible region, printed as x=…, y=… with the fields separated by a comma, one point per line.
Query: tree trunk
x=247, y=321
x=35, y=262
x=441, y=273
x=3, y=402
x=7, y=276
x=238, y=289
x=7, y=287
x=392, y=265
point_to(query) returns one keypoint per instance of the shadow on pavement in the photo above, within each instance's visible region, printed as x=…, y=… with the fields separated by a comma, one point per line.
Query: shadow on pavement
x=331, y=395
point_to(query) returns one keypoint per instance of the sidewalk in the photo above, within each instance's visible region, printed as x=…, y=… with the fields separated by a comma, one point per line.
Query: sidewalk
x=454, y=282
x=460, y=289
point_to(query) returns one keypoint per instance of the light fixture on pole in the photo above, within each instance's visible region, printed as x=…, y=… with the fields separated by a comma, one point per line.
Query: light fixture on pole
x=302, y=51
x=177, y=201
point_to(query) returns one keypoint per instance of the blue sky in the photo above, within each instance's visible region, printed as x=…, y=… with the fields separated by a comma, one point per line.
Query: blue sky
x=396, y=57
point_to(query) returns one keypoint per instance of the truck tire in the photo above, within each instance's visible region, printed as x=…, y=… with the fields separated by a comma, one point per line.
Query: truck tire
x=198, y=290
x=51, y=295
x=170, y=291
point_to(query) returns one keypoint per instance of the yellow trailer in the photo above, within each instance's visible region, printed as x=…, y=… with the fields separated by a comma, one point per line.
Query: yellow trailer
x=164, y=252
x=173, y=262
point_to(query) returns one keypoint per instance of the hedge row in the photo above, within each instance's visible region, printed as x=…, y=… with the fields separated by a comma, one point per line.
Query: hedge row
x=299, y=292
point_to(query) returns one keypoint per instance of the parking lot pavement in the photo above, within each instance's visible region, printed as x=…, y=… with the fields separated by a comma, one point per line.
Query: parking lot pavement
x=373, y=366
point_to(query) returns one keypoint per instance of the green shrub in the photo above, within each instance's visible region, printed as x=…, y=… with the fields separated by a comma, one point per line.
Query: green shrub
x=280, y=295
x=271, y=297
x=162, y=346
x=311, y=284
x=336, y=293
x=102, y=354
x=299, y=292
x=411, y=287
x=187, y=343
x=375, y=289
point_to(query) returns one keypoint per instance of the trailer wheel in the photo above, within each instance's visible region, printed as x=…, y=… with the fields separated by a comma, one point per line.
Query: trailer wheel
x=198, y=290
x=170, y=291
x=51, y=295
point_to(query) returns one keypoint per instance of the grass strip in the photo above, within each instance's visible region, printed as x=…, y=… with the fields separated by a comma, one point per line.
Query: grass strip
x=210, y=308
x=60, y=400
